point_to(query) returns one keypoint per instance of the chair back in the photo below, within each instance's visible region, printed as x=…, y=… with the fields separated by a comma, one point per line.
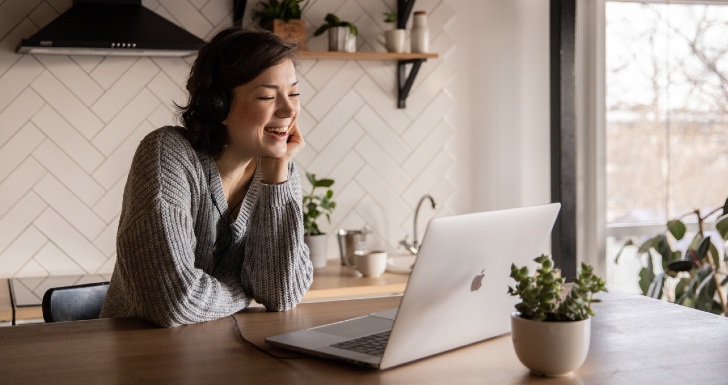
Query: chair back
x=74, y=303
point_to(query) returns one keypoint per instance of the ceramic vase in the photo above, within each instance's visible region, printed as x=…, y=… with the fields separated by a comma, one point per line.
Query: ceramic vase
x=341, y=40
x=550, y=349
x=317, y=245
x=420, y=37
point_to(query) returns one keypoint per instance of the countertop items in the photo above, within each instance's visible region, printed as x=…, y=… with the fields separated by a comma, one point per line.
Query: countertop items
x=333, y=282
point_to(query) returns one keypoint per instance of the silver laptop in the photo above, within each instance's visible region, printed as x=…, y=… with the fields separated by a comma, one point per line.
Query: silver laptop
x=456, y=294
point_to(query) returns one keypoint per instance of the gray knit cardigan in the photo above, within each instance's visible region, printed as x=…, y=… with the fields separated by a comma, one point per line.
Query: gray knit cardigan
x=182, y=258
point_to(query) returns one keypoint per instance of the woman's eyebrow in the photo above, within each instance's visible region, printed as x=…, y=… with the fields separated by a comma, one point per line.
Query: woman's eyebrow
x=275, y=87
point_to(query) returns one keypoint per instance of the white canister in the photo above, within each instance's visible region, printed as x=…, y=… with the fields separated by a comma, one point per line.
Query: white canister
x=420, y=37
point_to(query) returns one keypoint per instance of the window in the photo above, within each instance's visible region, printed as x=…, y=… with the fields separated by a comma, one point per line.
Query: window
x=666, y=119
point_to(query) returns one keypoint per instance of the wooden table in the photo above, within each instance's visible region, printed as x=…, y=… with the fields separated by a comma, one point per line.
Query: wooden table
x=332, y=282
x=635, y=340
x=6, y=307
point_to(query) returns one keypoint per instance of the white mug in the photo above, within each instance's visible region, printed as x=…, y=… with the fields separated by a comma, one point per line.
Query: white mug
x=394, y=40
x=371, y=263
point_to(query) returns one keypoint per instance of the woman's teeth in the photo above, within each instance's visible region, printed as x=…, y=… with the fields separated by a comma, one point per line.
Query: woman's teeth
x=277, y=131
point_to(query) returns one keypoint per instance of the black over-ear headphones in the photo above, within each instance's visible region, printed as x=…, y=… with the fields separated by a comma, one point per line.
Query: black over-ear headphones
x=212, y=99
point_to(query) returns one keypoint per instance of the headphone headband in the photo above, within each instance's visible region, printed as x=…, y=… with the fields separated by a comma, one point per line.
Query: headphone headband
x=212, y=98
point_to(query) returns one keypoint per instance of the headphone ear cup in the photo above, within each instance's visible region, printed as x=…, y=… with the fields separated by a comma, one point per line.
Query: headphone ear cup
x=213, y=102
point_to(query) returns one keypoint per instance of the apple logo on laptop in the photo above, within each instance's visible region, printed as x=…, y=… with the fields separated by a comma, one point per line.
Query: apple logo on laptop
x=477, y=281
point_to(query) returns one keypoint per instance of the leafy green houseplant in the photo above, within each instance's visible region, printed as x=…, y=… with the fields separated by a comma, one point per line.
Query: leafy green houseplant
x=283, y=17
x=695, y=277
x=551, y=331
x=266, y=12
x=342, y=34
x=390, y=17
x=332, y=21
x=315, y=205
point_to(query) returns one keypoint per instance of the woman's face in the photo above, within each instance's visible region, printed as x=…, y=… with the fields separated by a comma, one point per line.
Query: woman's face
x=262, y=112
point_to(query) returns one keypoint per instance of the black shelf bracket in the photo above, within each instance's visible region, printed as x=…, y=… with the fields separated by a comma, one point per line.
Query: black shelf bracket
x=404, y=82
x=404, y=9
x=239, y=12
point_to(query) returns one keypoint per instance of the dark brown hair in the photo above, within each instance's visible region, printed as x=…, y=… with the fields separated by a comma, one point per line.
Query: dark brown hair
x=240, y=61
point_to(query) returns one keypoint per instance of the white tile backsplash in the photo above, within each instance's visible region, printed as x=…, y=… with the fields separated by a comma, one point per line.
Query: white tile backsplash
x=78, y=214
x=74, y=79
x=18, y=113
x=68, y=138
x=69, y=126
x=16, y=78
x=18, y=183
x=129, y=117
x=70, y=240
x=67, y=105
x=21, y=250
x=124, y=90
x=18, y=148
x=17, y=220
x=73, y=177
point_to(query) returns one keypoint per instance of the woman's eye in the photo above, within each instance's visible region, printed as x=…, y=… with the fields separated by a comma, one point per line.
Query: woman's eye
x=295, y=95
x=266, y=97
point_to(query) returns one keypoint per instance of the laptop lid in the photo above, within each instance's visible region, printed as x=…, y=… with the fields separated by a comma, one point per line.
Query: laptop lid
x=456, y=294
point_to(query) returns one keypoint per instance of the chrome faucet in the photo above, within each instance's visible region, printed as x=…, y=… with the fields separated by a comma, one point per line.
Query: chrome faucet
x=415, y=246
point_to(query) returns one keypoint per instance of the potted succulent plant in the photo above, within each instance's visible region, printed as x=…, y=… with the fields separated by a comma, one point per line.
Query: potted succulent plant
x=550, y=330
x=283, y=17
x=315, y=205
x=342, y=34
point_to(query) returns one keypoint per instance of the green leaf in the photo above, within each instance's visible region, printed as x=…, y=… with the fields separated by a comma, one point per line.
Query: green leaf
x=648, y=244
x=681, y=288
x=703, y=248
x=646, y=277
x=621, y=250
x=722, y=226
x=324, y=183
x=725, y=207
x=705, y=293
x=677, y=228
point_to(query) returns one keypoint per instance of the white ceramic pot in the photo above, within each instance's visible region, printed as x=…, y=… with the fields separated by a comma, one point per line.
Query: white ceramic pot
x=550, y=348
x=341, y=40
x=317, y=245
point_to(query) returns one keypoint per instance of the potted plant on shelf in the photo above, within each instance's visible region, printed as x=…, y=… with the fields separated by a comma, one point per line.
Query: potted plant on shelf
x=342, y=34
x=695, y=278
x=394, y=38
x=551, y=331
x=283, y=17
x=315, y=205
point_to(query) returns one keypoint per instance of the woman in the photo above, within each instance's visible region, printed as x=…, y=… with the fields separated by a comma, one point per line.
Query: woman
x=211, y=217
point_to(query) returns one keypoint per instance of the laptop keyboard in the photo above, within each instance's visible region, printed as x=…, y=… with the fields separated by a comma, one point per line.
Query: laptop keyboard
x=372, y=344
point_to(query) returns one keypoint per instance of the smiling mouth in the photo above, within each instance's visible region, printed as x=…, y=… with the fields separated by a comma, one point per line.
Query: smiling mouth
x=277, y=131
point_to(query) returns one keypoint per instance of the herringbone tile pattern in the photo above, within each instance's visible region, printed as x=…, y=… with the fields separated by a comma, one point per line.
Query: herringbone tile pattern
x=69, y=126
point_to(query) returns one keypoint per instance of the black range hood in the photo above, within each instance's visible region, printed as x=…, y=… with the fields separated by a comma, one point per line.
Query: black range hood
x=111, y=27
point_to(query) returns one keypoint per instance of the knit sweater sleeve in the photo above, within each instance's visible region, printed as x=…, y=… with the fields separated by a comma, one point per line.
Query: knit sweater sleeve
x=277, y=270
x=155, y=276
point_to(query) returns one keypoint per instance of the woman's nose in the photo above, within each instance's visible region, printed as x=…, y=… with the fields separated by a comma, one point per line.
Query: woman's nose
x=286, y=109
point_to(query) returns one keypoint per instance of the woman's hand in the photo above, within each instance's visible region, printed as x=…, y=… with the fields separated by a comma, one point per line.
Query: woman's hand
x=275, y=170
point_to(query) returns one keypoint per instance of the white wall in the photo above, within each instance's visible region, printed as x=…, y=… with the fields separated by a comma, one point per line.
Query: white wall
x=502, y=92
x=474, y=134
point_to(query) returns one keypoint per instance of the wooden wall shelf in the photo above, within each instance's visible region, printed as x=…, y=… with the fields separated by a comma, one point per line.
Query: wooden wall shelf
x=404, y=81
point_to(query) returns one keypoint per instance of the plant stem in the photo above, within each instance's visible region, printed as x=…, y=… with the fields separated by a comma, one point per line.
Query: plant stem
x=718, y=286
